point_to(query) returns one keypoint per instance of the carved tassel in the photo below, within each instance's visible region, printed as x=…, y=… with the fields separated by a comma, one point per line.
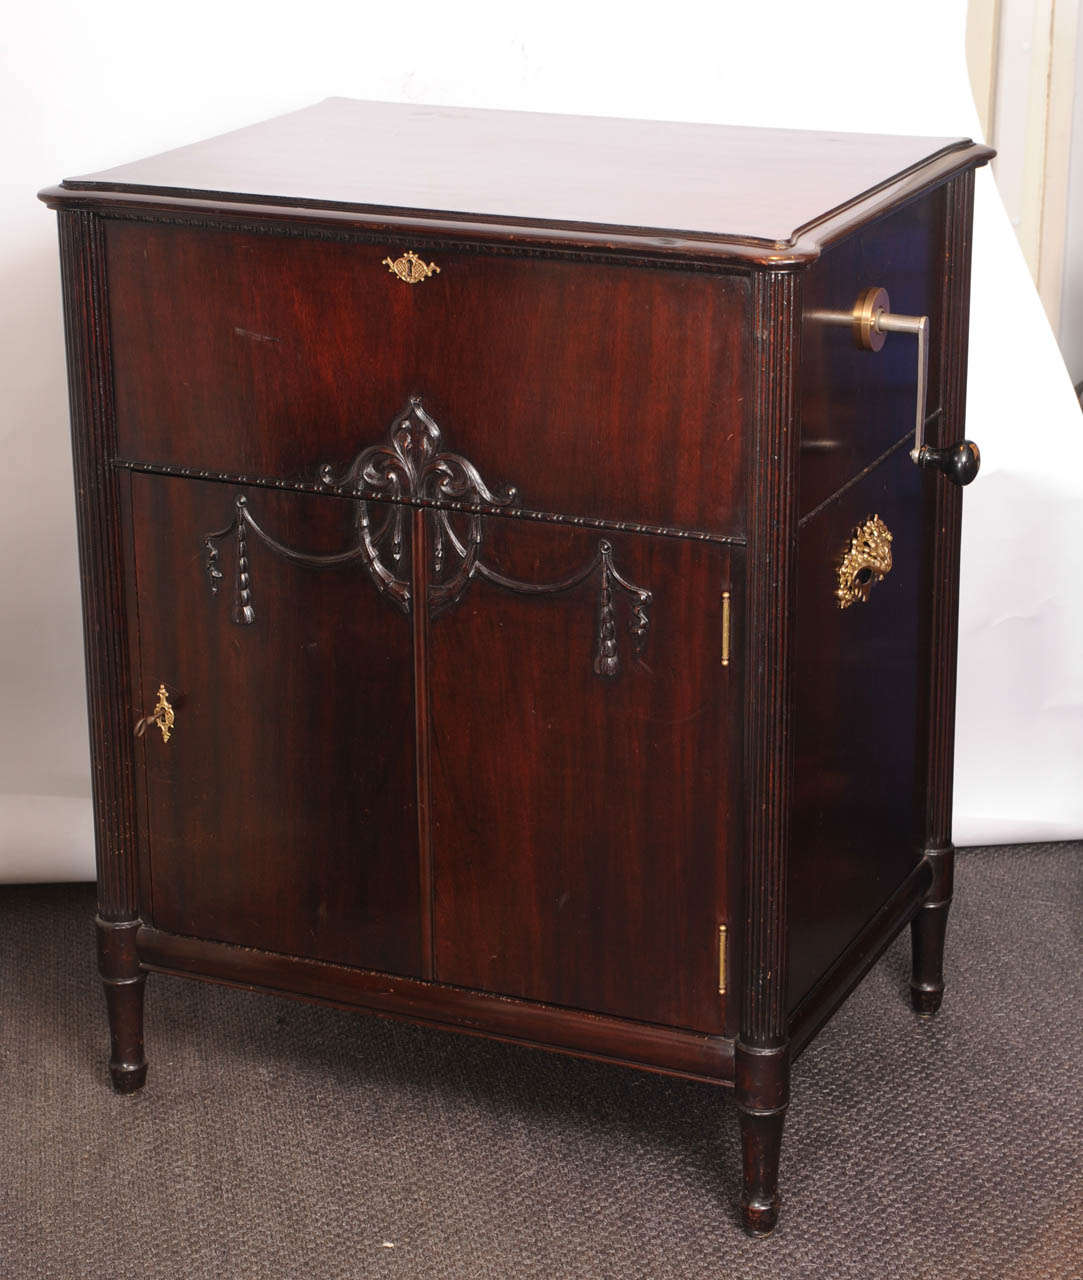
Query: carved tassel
x=606, y=659
x=243, y=612
x=437, y=546
x=640, y=624
x=210, y=565
x=412, y=467
x=397, y=536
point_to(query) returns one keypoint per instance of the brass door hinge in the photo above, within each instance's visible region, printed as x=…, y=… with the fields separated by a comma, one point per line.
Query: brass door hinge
x=721, y=959
x=725, y=628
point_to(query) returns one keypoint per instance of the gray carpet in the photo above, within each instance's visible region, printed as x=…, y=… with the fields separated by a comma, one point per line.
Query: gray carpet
x=277, y=1140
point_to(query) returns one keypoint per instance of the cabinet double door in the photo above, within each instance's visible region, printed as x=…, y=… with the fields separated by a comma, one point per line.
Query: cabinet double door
x=481, y=750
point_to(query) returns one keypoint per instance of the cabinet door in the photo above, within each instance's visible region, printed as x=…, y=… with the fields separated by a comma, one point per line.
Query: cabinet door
x=281, y=813
x=584, y=772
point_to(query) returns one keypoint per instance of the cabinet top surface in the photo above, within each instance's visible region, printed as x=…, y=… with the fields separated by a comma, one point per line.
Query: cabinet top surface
x=767, y=187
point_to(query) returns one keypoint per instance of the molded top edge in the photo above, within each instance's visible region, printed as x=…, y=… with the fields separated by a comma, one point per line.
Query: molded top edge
x=772, y=195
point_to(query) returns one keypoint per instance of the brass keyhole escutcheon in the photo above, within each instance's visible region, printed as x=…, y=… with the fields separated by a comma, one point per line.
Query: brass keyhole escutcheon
x=163, y=715
x=866, y=561
x=410, y=268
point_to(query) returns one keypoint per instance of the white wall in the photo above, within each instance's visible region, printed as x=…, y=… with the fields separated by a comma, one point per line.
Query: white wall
x=85, y=86
x=1026, y=60
x=1071, y=299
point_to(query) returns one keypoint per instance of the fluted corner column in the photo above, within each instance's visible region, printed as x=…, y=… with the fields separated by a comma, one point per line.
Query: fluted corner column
x=762, y=1053
x=943, y=507
x=109, y=695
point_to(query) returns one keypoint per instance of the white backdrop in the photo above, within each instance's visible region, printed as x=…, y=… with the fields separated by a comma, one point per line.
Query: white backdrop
x=87, y=86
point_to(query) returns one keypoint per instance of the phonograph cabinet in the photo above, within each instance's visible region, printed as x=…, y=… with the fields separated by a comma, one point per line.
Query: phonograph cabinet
x=519, y=561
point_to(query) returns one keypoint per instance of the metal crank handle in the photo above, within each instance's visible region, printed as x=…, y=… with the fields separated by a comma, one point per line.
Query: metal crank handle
x=870, y=321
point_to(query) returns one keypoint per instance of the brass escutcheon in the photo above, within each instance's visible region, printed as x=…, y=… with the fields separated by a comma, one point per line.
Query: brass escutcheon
x=162, y=715
x=410, y=268
x=866, y=560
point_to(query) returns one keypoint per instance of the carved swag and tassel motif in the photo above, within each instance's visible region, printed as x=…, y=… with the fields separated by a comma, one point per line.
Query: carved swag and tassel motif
x=412, y=470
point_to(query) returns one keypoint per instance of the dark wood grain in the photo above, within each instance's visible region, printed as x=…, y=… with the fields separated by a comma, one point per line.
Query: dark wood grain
x=762, y=1058
x=282, y=811
x=106, y=640
x=272, y=356
x=101, y=561
x=943, y=523
x=717, y=181
x=857, y=679
x=855, y=404
x=124, y=980
x=582, y=824
x=666, y=1050
x=943, y=510
x=861, y=953
x=420, y=523
x=498, y=777
x=768, y=638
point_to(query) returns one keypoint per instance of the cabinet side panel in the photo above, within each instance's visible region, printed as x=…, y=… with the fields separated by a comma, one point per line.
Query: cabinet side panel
x=876, y=681
x=858, y=686
x=82, y=259
x=857, y=404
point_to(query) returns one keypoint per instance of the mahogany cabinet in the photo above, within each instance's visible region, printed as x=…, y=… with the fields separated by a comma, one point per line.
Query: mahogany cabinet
x=518, y=597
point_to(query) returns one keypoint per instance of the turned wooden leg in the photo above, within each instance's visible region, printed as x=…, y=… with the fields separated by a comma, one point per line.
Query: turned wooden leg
x=762, y=1095
x=927, y=931
x=761, y=1145
x=124, y=980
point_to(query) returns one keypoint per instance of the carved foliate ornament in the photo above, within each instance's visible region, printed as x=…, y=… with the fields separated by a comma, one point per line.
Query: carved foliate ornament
x=413, y=469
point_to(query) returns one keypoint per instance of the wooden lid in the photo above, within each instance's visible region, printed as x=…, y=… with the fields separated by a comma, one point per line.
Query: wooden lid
x=699, y=189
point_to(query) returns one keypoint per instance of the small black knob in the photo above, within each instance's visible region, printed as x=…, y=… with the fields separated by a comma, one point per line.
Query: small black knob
x=959, y=462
